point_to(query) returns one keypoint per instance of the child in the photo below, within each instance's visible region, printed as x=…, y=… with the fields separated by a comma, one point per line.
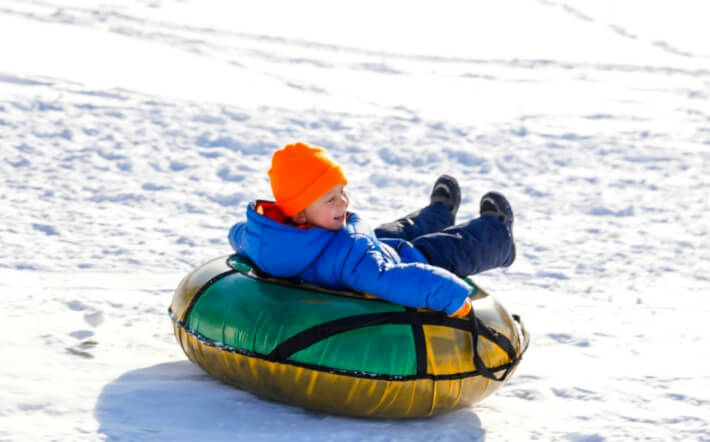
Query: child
x=308, y=235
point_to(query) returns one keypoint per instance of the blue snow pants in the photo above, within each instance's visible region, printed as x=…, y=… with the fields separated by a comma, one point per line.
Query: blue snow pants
x=463, y=249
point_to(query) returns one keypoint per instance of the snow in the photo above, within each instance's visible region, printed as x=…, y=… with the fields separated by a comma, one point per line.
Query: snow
x=132, y=134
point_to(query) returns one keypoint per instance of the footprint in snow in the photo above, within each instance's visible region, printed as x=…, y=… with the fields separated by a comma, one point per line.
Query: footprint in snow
x=81, y=349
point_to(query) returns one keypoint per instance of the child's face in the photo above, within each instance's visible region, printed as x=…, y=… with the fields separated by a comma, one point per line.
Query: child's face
x=328, y=211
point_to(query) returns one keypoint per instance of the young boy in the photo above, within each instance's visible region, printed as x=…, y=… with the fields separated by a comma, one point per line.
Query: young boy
x=308, y=235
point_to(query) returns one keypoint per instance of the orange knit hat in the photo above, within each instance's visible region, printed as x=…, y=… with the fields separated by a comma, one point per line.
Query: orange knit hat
x=300, y=174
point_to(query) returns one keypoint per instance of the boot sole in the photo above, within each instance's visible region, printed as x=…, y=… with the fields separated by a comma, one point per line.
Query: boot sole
x=453, y=185
x=501, y=202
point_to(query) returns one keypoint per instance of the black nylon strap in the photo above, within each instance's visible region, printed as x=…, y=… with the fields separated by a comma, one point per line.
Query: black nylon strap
x=319, y=332
x=419, y=342
x=477, y=329
x=203, y=289
x=499, y=339
x=417, y=319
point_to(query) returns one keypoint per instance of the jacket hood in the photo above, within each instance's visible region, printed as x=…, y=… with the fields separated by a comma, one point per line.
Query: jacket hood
x=273, y=246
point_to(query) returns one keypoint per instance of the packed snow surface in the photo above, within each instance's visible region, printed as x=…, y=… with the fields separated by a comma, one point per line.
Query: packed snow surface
x=133, y=134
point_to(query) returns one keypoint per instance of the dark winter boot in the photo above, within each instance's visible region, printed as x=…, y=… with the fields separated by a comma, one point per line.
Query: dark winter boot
x=447, y=192
x=495, y=204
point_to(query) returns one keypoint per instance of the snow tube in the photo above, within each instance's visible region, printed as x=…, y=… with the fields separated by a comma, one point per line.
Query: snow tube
x=341, y=352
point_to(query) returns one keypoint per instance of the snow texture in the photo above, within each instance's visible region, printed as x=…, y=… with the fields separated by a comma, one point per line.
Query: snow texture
x=132, y=134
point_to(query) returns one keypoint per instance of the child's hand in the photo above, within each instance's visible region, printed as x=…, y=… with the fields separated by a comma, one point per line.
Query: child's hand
x=463, y=311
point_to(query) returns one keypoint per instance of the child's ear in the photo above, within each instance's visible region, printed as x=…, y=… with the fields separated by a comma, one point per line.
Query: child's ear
x=299, y=218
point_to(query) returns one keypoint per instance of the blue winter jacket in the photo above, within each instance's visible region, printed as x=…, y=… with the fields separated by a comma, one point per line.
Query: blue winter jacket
x=351, y=258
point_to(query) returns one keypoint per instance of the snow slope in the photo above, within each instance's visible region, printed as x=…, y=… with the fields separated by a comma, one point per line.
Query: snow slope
x=133, y=134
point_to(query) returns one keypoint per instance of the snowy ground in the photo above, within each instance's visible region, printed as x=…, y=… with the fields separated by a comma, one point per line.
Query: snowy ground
x=133, y=134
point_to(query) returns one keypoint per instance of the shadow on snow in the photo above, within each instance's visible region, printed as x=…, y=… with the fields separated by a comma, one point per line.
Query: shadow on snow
x=177, y=401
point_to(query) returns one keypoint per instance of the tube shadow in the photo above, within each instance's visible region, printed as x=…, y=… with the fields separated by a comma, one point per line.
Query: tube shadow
x=177, y=401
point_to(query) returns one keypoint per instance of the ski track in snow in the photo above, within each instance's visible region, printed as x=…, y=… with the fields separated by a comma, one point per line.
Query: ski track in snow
x=109, y=196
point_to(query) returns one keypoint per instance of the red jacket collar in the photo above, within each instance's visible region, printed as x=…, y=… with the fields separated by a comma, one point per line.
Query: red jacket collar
x=272, y=211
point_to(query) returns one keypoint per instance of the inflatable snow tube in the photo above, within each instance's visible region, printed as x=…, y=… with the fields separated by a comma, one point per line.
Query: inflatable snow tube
x=341, y=352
